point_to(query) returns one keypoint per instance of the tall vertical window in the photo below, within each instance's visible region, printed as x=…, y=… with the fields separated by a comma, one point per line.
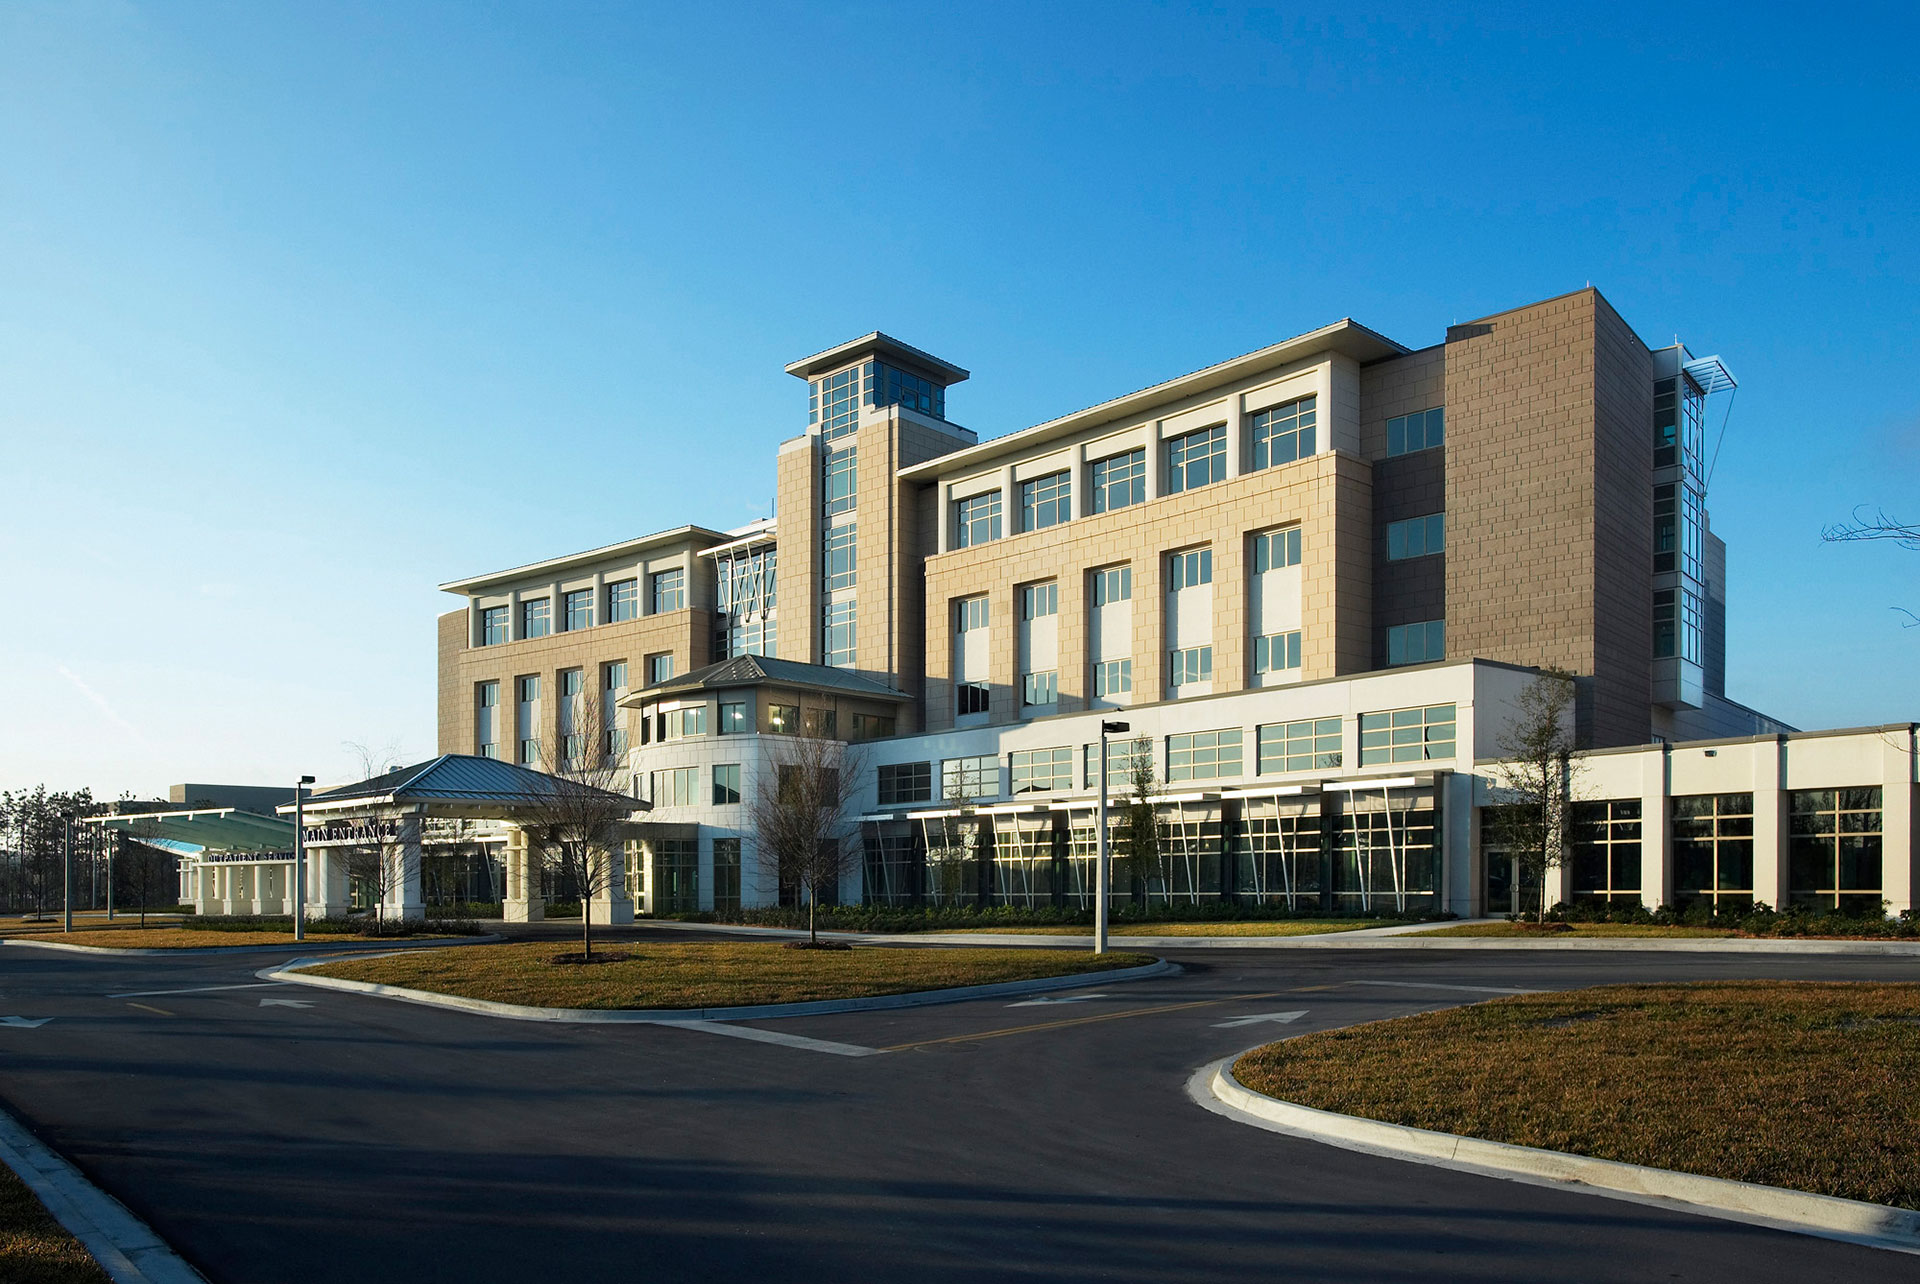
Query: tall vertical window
x=1422, y=430
x=1606, y=851
x=726, y=874
x=842, y=553
x=1046, y=501
x=1196, y=459
x=838, y=633
x=976, y=520
x=834, y=403
x=613, y=685
x=726, y=783
x=1666, y=527
x=623, y=601
x=527, y=718
x=1407, y=735
x=486, y=729
x=579, y=612
x=1420, y=643
x=536, y=617
x=669, y=591
x=573, y=745
x=493, y=625
x=970, y=689
x=1713, y=848
x=1039, y=674
x=1679, y=625
x=1119, y=481
x=1834, y=849
x=1283, y=434
x=842, y=480
x=1276, y=550
x=1679, y=423
x=1416, y=537
x=745, y=591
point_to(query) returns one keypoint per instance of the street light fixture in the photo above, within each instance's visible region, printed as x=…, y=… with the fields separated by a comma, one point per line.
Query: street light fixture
x=1100, y=879
x=300, y=859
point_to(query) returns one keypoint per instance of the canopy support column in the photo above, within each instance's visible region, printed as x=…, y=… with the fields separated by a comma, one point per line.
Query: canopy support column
x=523, y=904
x=612, y=906
x=404, y=899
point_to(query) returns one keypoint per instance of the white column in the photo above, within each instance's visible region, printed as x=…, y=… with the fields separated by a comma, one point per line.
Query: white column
x=612, y=905
x=516, y=619
x=1897, y=848
x=326, y=882
x=1236, y=437
x=1156, y=462
x=1009, y=502
x=943, y=523
x=1770, y=823
x=474, y=635
x=599, y=597
x=257, y=875
x=556, y=621
x=1080, y=483
x=204, y=889
x=1656, y=830
x=523, y=903
x=405, y=900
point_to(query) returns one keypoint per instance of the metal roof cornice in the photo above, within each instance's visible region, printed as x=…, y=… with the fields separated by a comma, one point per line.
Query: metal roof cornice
x=700, y=534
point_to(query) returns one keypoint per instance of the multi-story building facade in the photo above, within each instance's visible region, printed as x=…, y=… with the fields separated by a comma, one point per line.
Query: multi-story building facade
x=1314, y=578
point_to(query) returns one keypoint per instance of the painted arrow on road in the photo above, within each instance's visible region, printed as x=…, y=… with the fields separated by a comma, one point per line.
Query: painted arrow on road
x=25, y=1023
x=1065, y=998
x=1280, y=1018
x=285, y=1003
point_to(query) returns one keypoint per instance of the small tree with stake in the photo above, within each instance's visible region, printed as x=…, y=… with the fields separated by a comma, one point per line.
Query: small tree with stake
x=799, y=811
x=1535, y=780
x=1142, y=836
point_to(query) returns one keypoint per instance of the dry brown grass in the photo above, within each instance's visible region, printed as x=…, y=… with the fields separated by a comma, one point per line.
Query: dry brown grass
x=179, y=938
x=1576, y=931
x=90, y=922
x=34, y=1248
x=710, y=975
x=1809, y=1085
x=1270, y=927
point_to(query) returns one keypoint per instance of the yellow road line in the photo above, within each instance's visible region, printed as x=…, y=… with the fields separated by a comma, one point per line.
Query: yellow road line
x=147, y=1007
x=1085, y=1020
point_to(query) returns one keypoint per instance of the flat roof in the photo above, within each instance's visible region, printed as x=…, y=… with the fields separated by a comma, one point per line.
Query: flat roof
x=701, y=534
x=1345, y=336
x=881, y=345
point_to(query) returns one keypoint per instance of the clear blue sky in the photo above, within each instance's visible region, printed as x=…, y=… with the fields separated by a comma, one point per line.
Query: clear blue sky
x=307, y=308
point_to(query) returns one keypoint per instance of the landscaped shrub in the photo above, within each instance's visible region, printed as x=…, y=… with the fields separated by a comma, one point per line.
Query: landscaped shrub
x=365, y=925
x=1758, y=919
x=882, y=918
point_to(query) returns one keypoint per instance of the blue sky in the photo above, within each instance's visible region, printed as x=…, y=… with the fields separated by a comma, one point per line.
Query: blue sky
x=307, y=308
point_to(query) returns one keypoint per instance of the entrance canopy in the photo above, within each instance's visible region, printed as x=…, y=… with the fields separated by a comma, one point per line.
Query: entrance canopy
x=220, y=829
x=455, y=785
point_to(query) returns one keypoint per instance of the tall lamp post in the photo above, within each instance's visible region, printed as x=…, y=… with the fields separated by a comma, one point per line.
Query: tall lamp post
x=1100, y=878
x=67, y=870
x=300, y=858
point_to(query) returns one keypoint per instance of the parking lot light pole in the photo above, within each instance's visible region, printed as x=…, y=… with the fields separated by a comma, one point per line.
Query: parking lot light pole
x=1100, y=879
x=300, y=858
x=67, y=914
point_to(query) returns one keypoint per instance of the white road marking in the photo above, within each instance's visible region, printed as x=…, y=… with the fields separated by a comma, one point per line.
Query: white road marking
x=772, y=1036
x=198, y=989
x=25, y=1023
x=1048, y=1000
x=285, y=1003
x=1280, y=1017
x=1434, y=985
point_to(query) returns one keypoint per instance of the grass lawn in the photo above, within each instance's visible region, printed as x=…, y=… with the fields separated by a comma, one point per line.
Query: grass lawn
x=709, y=975
x=1582, y=930
x=1269, y=927
x=92, y=922
x=180, y=938
x=35, y=1249
x=1807, y=1085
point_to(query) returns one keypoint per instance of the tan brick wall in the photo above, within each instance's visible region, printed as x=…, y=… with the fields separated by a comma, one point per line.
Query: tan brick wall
x=1623, y=531
x=798, y=483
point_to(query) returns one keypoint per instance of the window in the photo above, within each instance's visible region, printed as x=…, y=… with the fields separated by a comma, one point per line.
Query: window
x=1416, y=537
x=1284, y=433
x=783, y=719
x=573, y=747
x=1276, y=652
x=1045, y=501
x=841, y=557
x=1417, y=643
x=1693, y=524
x=733, y=718
x=834, y=402
x=579, y=610
x=726, y=783
x=1112, y=677
x=976, y=520
x=726, y=874
x=1309, y=745
x=872, y=726
x=1712, y=849
x=1034, y=770
x=1606, y=851
x=1834, y=849
x=1039, y=688
x=669, y=591
x=1189, y=569
x=898, y=388
x=1191, y=664
x=1666, y=527
x=1113, y=584
x=486, y=734
x=1119, y=481
x=837, y=638
x=1196, y=459
x=614, y=685
x=1407, y=735
x=970, y=697
x=1276, y=550
x=623, y=601
x=970, y=613
x=1422, y=430
x=820, y=724
x=527, y=718
x=1678, y=401
x=685, y=722
x=970, y=777
x=659, y=668
x=1204, y=755
x=1122, y=755
x=1678, y=625
x=905, y=782
x=536, y=617
x=1037, y=600
x=493, y=625
x=842, y=480
x=676, y=787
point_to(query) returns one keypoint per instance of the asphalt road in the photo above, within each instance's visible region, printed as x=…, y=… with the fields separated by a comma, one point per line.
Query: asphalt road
x=356, y=1139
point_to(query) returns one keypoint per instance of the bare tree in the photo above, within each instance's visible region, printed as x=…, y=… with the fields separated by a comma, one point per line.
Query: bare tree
x=799, y=813
x=1879, y=526
x=1534, y=784
x=370, y=759
x=1143, y=838
x=142, y=868
x=382, y=866
x=578, y=830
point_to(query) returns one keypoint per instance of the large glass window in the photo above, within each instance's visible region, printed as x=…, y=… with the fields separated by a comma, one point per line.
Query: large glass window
x=659, y=667
x=676, y=787
x=977, y=777
x=905, y=782
x=1276, y=652
x=1112, y=678
x=969, y=698
x=1122, y=756
x=623, y=601
x=1713, y=848
x=1422, y=430
x=1046, y=501
x=1666, y=422
x=891, y=387
x=1407, y=735
x=1034, y=770
x=1679, y=625
x=726, y=874
x=1606, y=851
x=1666, y=527
x=1190, y=665
x=676, y=868
x=1041, y=687
x=1119, y=481
x=726, y=783
x=873, y=726
x=1204, y=755
x=493, y=625
x=970, y=613
x=579, y=614
x=834, y=403
x=821, y=724
x=1037, y=600
x=1284, y=433
x=1196, y=459
x=1416, y=537
x=1420, y=643
x=669, y=591
x=842, y=480
x=783, y=719
x=733, y=717
x=841, y=557
x=690, y=721
x=536, y=617
x=1112, y=584
x=1276, y=550
x=613, y=685
x=487, y=720
x=839, y=633
x=1190, y=568
x=1312, y=744
x=1834, y=849
x=976, y=520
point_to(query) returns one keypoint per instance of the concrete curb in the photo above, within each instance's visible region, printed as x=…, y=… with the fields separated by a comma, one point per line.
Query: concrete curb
x=669, y=1016
x=1851, y=1220
x=194, y=951
x=126, y=1247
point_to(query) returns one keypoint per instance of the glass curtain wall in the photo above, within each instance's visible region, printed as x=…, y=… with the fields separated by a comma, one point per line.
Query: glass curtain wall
x=1277, y=857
